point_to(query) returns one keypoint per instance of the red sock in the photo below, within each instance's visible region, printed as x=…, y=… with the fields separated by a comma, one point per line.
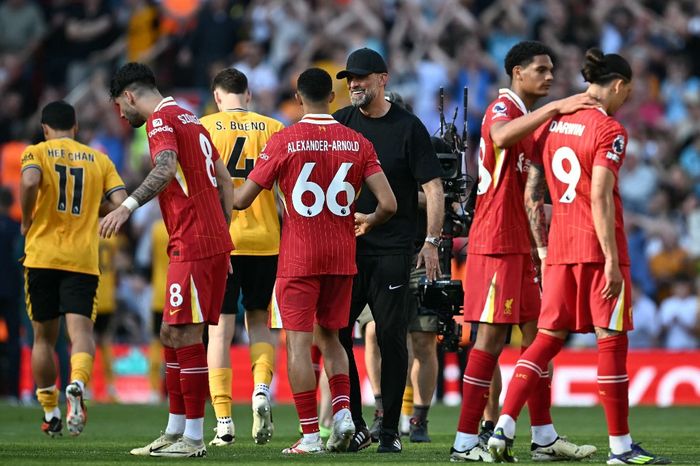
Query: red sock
x=475, y=390
x=528, y=372
x=340, y=392
x=194, y=379
x=305, y=403
x=613, y=383
x=172, y=381
x=316, y=362
x=540, y=400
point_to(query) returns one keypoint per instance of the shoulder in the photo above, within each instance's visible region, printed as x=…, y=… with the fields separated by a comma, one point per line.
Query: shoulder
x=208, y=120
x=32, y=154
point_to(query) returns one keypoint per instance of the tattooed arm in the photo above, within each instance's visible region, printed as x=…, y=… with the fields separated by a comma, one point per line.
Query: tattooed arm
x=156, y=181
x=534, y=207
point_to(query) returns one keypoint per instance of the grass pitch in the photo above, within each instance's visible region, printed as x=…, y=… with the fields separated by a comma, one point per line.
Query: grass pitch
x=112, y=430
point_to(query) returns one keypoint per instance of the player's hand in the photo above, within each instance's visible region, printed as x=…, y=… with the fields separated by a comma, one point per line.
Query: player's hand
x=428, y=257
x=363, y=224
x=613, y=280
x=25, y=226
x=575, y=103
x=113, y=221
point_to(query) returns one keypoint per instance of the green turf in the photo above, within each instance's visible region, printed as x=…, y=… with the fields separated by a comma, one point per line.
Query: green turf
x=114, y=429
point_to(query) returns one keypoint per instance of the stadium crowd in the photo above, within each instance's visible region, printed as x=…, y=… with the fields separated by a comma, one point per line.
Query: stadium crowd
x=68, y=49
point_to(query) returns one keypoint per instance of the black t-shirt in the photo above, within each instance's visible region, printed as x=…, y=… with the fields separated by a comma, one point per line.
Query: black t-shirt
x=407, y=157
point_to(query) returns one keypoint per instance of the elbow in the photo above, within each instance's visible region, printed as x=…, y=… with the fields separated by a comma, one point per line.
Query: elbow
x=391, y=206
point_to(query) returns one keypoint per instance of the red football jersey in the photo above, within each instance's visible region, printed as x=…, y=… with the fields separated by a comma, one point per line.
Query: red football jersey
x=500, y=222
x=569, y=146
x=319, y=166
x=190, y=203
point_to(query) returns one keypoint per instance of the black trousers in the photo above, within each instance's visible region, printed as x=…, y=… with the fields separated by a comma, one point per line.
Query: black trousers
x=382, y=283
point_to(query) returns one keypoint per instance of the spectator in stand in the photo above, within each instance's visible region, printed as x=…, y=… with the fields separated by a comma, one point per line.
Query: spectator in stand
x=647, y=325
x=680, y=316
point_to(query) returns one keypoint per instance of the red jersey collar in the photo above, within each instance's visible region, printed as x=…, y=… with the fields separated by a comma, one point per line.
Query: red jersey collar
x=166, y=102
x=512, y=96
x=318, y=119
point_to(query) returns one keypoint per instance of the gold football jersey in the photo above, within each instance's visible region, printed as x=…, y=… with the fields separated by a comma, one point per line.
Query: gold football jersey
x=240, y=135
x=159, y=264
x=74, y=179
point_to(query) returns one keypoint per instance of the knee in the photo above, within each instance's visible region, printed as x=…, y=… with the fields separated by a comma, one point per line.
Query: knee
x=424, y=346
x=491, y=338
x=256, y=318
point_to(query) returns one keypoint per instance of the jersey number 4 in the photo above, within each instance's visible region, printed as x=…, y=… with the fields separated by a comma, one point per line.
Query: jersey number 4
x=329, y=197
x=77, y=174
x=235, y=158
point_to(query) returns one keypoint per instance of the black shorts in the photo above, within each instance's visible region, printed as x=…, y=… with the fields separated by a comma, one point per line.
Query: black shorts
x=157, y=322
x=102, y=322
x=51, y=293
x=254, y=276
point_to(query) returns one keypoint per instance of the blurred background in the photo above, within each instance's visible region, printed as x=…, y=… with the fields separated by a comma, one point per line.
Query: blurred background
x=66, y=49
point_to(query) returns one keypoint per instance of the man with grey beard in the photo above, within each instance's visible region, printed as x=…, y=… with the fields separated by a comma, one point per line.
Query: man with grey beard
x=384, y=256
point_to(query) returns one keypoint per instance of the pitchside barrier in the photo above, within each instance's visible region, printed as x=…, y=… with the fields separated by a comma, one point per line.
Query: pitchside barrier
x=657, y=377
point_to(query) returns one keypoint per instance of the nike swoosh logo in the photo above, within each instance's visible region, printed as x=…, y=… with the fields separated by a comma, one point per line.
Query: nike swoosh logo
x=174, y=311
x=393, y=287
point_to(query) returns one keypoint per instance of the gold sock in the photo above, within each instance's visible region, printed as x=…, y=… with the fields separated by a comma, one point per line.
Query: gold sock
x=48, y=398
x=407, y=406
x=262, y=360
x=155, y=364
x=81, y=367
x=220, y=389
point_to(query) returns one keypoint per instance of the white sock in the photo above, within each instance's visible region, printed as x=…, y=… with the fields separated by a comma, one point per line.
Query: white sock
x=620, y=444
x=224, y=420
x=507, y=423
x=55, y=413
x=543, y=435
x=80, y=384
x=194, y=429
x=312, y=438
x=339, y=415
x=464, y=442
x=176, y=424
x=262, y=388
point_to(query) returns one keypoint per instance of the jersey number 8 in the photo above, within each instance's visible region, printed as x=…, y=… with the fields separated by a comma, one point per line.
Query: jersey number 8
x=337, y=185
x=208, y=152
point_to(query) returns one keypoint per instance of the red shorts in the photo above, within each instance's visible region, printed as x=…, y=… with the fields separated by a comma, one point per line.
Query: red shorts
x=501, y=289
x=195, y=290
x=299, y=302
x=572, y=299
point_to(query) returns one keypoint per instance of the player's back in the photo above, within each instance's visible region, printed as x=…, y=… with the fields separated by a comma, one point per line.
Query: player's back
x=570, y=146
x=74, y=180
x=240, y=135
x=320, y=166
x=190, y=203
x=500, y=223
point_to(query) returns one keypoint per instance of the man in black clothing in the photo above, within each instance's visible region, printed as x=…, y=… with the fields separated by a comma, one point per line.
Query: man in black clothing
x=384, y=255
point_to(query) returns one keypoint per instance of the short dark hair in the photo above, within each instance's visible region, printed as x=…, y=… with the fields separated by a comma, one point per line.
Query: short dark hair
x=58, y=115
x=230, y=80
x=130, y=74
x=603, y=68
x=522, y=54
x=315, y=84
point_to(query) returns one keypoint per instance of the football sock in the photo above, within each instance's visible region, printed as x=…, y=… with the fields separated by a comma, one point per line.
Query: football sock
x=220, y=390
x=543, y=435
x=48, y=399
x=420, y=412
x=613, y=384
x=172, y=384
x=316, y=362
x=528, y=372
x=107, y=358
x=194, y=382
x=81, y=368
x=305, y=403
x=475, y=390
x=155, y=350
x=407, y=401
x=540, y=400
x=464, y=442
x=262, y=360
x=176, y=424
x=620, y=444
x=340, y=392
x=194, y=428
x=261, y=389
